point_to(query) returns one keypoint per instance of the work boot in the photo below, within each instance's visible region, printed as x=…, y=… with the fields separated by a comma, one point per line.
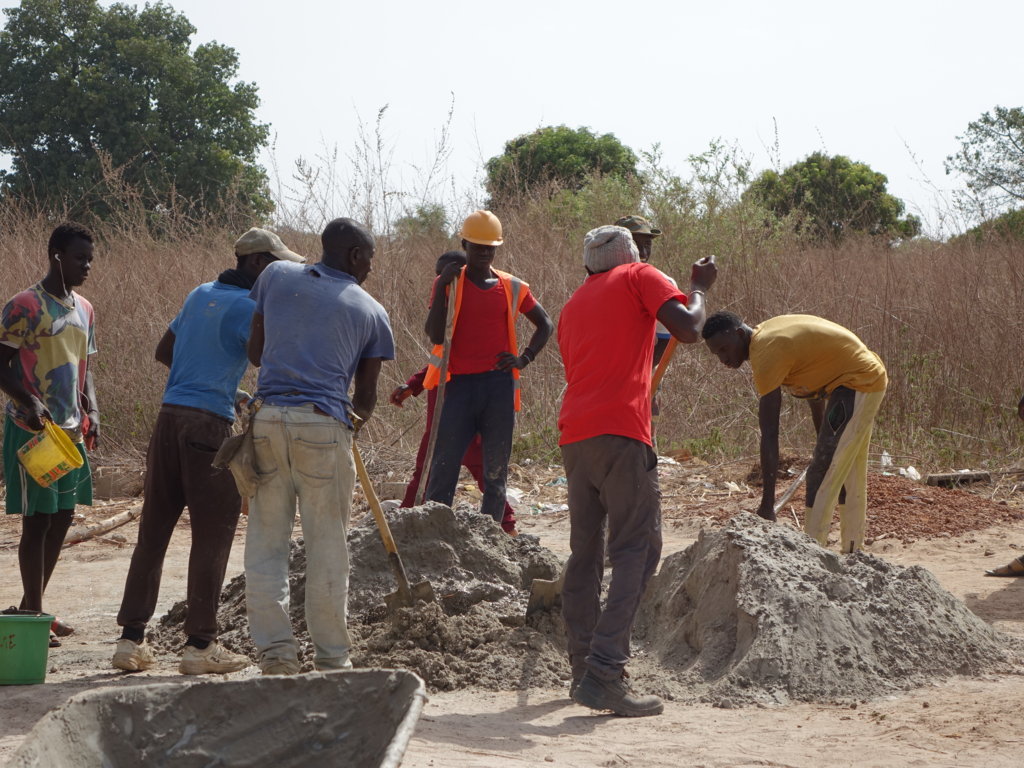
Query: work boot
x=132, y=657
x=615, y=695
x=332, y=666
x=576, y=677
x=213, y=659
x=279, y=667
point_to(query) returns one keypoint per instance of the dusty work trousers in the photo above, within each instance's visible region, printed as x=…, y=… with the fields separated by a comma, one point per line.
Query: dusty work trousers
x=306, y=455
x=841, y=459
x=179, y=474
x=610, y=478
x=475, y=404
x=472, y=460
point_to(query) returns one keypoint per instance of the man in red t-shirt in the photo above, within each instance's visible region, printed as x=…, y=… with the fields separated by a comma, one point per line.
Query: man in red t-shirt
x=473, y=458
x=482, y=394
x=606, y=334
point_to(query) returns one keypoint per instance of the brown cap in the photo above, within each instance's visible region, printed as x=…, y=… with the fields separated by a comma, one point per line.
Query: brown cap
x=638, y=225
x=264, y=241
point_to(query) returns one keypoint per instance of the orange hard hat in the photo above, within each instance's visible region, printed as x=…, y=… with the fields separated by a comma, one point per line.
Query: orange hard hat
x=482, y=228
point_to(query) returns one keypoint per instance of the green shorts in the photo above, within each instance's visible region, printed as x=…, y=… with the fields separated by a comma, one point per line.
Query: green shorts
x=24, y=495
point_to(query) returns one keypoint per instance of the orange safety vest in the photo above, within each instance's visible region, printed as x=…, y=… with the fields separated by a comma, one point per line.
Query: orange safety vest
x=514, y=295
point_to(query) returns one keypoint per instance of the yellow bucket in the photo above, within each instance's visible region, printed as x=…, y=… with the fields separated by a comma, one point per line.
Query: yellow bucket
x=49, y=455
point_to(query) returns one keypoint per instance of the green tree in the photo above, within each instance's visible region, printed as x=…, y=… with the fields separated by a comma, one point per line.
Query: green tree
x=87, y=92
x=1008, y=226
x=830, y=196
x=427, y=220
x=559, y=154
x=991, y=155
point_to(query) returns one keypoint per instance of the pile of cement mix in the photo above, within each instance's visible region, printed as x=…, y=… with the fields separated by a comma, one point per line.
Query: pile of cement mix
x=757, y=613
x=754, y=613
x=475, y=635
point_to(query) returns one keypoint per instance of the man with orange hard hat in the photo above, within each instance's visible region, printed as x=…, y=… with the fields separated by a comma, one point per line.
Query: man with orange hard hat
x=482, y=393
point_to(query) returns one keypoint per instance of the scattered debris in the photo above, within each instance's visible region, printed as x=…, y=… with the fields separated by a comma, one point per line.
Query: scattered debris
x=962, y=477
x=910, y=473
x=898, y=508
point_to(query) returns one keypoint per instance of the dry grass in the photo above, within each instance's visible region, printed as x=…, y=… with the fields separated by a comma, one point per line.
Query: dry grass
x=945, y=319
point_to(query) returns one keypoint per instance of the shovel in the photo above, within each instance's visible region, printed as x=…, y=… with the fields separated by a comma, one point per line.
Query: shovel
x=659, y=372
x=449, y=331
x=544, y=593
x=784, y=498
x=407, y=595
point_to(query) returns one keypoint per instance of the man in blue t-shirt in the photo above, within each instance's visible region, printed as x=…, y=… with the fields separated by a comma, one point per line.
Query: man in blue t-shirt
x=315, y=334
x=205, y=349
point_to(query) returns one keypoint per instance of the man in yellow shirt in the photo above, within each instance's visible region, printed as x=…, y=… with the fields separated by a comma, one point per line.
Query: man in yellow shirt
x=844, y=383
x=1016, y=566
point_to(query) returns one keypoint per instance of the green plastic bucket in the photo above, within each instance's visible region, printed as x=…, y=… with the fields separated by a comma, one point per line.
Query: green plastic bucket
x=24, y=648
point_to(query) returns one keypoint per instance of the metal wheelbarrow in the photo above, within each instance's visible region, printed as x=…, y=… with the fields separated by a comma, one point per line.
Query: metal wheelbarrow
x=345, y=718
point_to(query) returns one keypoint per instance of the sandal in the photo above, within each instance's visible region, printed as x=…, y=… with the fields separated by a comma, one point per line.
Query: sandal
x=1013, y=568
x=54, y=642
x=60, y=629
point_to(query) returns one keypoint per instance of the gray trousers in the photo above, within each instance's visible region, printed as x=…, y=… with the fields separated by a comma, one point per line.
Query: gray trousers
x=614, y=478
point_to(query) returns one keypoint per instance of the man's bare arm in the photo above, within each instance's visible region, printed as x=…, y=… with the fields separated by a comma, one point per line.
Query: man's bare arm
x=543, y=328
x=11, y=384
x=769, y=408
x=438, y=314
x=685, y=322
x=254, y=349
x=817, y=406
x=165, y=348
x=364, y=393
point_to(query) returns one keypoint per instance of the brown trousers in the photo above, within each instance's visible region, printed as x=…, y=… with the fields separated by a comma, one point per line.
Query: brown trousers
x=610, y=478
x=179, y=474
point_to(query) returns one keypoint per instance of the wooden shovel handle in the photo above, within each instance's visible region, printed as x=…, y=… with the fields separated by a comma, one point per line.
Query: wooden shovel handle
x=382, y=523
x=435, y=422
x=659, y=372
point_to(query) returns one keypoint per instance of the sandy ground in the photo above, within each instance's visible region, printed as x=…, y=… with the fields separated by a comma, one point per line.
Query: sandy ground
x=963, y=722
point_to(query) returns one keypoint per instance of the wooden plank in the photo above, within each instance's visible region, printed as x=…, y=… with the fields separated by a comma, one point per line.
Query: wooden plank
x=81, y=533
x=953, y=479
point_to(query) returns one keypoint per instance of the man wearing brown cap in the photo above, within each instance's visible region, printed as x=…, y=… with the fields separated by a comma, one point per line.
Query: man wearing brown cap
x=205, y=350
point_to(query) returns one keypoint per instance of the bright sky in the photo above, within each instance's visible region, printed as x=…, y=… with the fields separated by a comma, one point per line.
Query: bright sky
x=891, y=84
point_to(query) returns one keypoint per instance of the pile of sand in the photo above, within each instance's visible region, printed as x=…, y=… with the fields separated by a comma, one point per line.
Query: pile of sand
x=754, y=613
x=474, y=636
x=758, y=613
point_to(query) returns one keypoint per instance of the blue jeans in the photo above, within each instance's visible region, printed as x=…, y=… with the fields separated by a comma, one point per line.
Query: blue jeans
x=475, y=403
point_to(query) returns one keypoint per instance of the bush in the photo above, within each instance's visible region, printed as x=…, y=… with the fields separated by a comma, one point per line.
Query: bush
x=938, y=314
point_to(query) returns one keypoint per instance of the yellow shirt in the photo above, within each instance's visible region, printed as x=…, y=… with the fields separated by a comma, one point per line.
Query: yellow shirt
x=810, y=356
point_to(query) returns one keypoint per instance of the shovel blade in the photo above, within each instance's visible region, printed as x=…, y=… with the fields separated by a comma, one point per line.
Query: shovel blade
x=422, y=591
x=543, y=594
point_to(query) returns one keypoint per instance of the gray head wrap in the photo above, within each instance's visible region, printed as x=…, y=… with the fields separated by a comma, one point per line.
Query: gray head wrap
x=607, y=247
